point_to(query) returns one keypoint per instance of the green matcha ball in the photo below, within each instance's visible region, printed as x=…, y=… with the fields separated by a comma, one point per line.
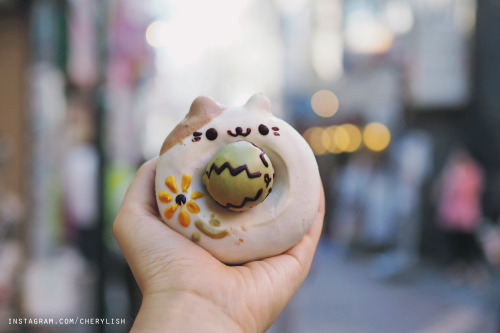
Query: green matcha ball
x=239, y=176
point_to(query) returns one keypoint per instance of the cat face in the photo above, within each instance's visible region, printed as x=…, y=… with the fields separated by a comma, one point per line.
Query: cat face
x=247, y=121
x=211, y=134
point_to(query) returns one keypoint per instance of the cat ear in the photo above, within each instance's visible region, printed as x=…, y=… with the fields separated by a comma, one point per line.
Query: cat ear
x=205, y=107
x=259, y=102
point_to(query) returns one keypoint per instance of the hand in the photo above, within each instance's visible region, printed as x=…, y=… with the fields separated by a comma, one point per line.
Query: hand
x=185, y=289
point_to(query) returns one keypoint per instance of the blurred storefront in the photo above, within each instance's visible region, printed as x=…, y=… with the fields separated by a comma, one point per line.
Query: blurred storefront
x=14, y=162
x=383, y=91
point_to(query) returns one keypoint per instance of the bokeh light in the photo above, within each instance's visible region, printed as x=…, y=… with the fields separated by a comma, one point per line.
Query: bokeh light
x=156, y=33
x=364, y=33
x=355, y=137
x=336, y=139
x=376, y=136
x=330, y=133
x=327, y=140
x=399, y=16
x=314, y=136
x=342, y=139
x=325, y=103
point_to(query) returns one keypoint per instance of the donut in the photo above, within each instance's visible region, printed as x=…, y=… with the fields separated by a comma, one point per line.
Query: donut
x=238, y=181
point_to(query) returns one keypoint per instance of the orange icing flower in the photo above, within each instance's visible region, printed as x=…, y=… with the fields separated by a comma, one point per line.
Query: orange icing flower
x=180, y=199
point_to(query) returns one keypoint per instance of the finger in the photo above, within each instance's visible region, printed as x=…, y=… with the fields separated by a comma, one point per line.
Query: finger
x=288, y=270
x=138, y=208
x=138, y=220
x=304, y=250
x=141, y=190
x=297, y=260
x=146, y=242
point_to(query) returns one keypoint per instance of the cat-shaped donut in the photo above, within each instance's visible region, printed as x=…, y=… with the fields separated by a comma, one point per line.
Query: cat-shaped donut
x=283, y=175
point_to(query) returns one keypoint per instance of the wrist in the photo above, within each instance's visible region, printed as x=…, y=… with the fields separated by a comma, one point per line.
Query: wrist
x=182, y=312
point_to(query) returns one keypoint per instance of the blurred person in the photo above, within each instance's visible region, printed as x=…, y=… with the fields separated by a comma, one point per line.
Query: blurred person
x=411, y=157
x=80, y=167
x=185, y=288
x=378, y=205
x=459, y=212
x=489, y=235
x=349, y=187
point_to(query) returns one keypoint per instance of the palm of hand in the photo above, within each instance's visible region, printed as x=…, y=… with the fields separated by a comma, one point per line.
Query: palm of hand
x=168, y=267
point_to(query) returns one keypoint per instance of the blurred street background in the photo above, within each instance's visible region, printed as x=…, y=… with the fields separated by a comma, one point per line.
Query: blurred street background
x=398, y=99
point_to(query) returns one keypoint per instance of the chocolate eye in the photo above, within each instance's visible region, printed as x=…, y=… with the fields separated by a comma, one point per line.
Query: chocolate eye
x=211, y=134
x=196, y=136
x=263, y=129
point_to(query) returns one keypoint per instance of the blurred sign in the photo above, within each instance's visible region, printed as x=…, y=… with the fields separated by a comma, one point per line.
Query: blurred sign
x=439, y=71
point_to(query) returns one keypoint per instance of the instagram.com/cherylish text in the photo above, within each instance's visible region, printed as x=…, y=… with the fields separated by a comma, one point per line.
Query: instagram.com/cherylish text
x=67, y=321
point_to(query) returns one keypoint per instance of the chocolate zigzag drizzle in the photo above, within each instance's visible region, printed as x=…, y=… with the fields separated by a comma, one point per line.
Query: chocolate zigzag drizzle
x=262, y=157
x=230, y=205
x=232, y=170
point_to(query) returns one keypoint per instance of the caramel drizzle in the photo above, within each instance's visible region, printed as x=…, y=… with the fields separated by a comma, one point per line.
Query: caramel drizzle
x=215, y=234
x=232, y=170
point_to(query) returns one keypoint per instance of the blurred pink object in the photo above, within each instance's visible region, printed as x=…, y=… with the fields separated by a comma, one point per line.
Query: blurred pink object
x=82, y=63
x=459, y=203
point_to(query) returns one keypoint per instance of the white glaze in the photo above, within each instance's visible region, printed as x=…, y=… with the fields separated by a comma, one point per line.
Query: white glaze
x=273, y=226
